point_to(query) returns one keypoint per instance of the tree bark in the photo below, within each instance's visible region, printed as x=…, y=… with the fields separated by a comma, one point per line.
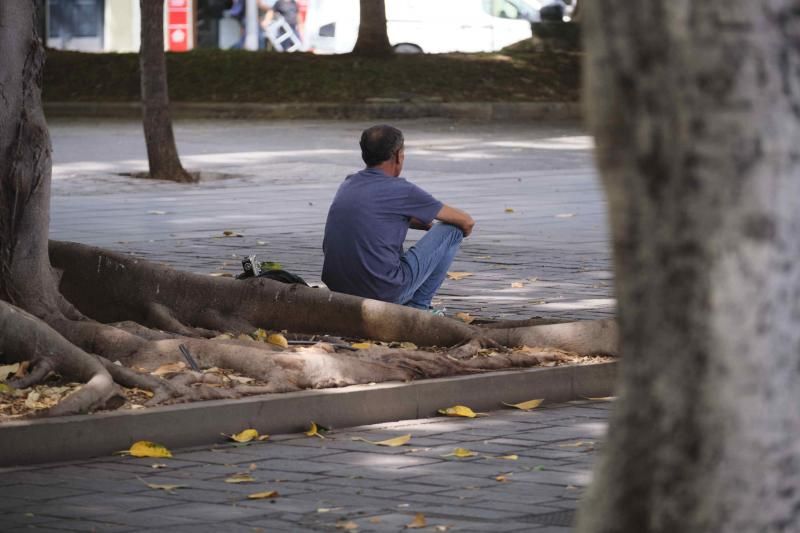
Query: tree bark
x=373, y=39
x=162, y=153
x=695, y=108
x=25, y=276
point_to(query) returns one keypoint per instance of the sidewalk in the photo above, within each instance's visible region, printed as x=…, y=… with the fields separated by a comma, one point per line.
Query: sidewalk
x=332, y=484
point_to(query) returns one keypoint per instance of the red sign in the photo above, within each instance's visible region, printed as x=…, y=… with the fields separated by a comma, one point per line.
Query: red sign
x=180, y=26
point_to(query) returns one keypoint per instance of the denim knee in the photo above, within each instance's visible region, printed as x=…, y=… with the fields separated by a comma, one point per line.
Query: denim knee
x=454, y=233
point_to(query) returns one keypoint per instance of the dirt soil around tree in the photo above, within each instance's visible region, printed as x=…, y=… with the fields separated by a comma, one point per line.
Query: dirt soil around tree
x=518, y=74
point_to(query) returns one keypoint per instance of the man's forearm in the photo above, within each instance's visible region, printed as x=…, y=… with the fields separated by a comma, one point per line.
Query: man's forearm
x=456, y=217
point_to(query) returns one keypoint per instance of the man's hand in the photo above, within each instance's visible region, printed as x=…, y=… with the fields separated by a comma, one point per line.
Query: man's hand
x=417, y=224
x=456, y=217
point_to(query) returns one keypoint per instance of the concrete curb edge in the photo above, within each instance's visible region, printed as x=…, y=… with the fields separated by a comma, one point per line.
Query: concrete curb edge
x=201, y=423
x=485, y=111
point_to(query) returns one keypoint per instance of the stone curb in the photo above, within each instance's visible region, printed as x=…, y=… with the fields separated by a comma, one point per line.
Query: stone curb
x=483, y=111
x=201, y=423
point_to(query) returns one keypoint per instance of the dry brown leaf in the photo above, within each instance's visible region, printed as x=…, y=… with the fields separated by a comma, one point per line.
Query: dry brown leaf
x=8, y=370
x=465, y=317
x=171, y=368
x=418, y=522
x=165, y=488
x=392, y=443
x=525, y=406
x=240, y=379
x=263, y=495
x=458, y=275
x=241, y=477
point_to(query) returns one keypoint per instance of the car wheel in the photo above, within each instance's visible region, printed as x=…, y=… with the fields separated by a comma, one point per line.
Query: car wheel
x=407, y=48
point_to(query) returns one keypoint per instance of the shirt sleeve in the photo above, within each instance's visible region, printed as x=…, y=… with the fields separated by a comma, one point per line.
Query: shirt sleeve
x=421, y=205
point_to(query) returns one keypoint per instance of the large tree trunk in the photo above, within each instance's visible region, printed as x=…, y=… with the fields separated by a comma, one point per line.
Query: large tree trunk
x=695, y=107
x=161, y=151
x=373, y=39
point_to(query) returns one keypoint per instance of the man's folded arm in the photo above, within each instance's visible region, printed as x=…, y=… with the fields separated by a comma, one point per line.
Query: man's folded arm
x=456, y=217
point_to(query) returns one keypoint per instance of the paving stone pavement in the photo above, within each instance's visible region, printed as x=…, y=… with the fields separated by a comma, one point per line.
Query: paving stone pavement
x=540, y=247
x=332, y=484
x=540, y=226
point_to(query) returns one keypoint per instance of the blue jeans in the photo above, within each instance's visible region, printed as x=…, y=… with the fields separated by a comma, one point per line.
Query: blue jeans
x=426, y=264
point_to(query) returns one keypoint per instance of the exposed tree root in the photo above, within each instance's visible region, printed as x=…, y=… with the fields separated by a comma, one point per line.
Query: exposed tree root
x=111, y=287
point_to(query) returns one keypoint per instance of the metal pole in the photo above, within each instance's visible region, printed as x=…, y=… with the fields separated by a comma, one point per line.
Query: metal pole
x=251, y=36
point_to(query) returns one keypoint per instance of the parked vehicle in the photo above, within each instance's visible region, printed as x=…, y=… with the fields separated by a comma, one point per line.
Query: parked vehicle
x=414, y=26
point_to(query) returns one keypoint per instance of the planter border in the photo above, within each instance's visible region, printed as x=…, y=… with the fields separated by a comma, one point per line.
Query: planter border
x=201, y=423
x=384, y=109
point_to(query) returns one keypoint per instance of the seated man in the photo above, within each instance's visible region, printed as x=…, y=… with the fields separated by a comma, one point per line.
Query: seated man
x=367, y=224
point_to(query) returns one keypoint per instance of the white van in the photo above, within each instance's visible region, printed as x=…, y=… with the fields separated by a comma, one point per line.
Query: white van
x=430, y=26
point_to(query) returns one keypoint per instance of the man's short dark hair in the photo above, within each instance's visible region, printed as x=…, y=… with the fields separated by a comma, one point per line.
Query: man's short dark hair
x=380, y=143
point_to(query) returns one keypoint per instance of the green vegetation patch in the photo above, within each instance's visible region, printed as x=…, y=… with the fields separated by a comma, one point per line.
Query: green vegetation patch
x=241, y=76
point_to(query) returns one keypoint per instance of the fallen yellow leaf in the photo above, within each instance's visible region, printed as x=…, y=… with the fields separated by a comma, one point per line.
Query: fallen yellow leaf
x=465, y=317
x=461, y=452
x=5, y=389
x=375, y=520
x=510, y=457
x=459, y=410
x=509, y=209
x=392, y=443
x=278, y=340
x=577, y=444
x=361, y=345
x=313, y=431
x=145, y=448
x=603, y=399
x=408, y=346
x=245, y=436
x=166, y=488
x=418, y=522
x=525, y=406
x=263, y=495
x=348, y=526
x=260, y=335
x=502, y=478
x=458, y=275
x=517, y=285
x=242, y=477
